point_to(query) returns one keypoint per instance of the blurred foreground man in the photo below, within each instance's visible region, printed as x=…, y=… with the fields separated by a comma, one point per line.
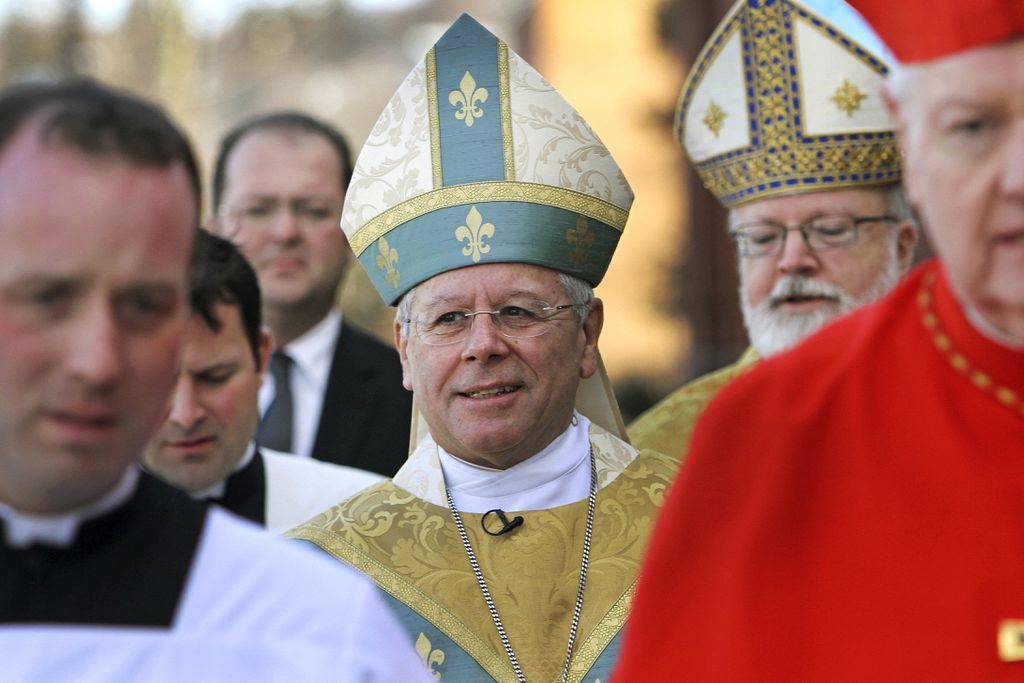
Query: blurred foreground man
x=820, y=222
x=508, y=544
x=205, y=446
x=867, y=523
x=107, y=574
x=334, y=392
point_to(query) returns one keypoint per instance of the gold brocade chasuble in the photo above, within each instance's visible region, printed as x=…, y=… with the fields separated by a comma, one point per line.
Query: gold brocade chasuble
x=668, y=425
x=409, y=545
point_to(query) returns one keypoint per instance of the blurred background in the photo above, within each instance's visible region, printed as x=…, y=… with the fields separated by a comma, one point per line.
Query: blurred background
x=670, y=294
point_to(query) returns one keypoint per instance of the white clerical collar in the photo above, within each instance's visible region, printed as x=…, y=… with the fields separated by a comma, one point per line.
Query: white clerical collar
x=22, y=529
x=312, y=351
x=217, y=490
x=557, y=475
x=990, y=331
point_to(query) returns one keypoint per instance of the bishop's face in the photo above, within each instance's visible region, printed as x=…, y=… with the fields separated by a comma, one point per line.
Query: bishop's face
x=787, y=295
x=489, y=398
x=961, y=123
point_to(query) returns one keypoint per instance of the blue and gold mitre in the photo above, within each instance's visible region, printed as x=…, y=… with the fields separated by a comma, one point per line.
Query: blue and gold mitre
x=785, y=97
x=477, y=159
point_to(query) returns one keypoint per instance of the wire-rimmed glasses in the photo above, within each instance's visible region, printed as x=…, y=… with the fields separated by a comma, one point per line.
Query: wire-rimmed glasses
x=513, y=320
x=834, y=231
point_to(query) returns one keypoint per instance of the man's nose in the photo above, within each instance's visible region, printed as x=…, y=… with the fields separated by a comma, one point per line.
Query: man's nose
x=797, y=257
x=96, y=355
x=186, y=410
x=1012, y=179
x=483, y=339
x=284, y=224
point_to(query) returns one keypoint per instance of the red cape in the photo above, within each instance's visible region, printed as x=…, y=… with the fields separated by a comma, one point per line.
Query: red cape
x=851, y=510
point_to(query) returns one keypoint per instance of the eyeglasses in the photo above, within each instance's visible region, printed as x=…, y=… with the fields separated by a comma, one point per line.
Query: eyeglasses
x=837, y=231
x=516, y=321
x=263, y=214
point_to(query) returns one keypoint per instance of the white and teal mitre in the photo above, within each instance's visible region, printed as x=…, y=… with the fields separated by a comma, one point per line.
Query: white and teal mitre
x=477, y=159
x=785, y=97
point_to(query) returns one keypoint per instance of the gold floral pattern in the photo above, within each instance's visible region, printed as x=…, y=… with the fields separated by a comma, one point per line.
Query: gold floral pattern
x=848, y=97
x=714, y=118
x=761, y=170
x=458, y=195
x=466, y=100
x=668, y=426
x=411, y=549
x=552, y=156
x=386, y=260
x=474, y=232
x=554, y=143
x=581, y=238
x=432, y=659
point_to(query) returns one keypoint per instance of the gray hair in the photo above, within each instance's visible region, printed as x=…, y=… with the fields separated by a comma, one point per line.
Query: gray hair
x=580, y=293
x=896, y=202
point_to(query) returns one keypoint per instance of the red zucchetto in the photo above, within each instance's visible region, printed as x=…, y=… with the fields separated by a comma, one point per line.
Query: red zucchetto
x=920, y=30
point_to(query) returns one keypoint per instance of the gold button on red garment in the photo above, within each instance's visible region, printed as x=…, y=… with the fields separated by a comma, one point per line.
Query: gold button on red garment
x=1011, y=640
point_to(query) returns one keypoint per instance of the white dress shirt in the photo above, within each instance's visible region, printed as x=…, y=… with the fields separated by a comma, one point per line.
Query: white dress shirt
x=311, y=356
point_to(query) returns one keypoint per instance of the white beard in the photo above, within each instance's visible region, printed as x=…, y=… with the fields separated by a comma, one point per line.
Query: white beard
x=772, y=331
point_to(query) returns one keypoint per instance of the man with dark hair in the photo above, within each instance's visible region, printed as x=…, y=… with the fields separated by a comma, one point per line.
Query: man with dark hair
x=107, y=574
x=205, y=446
x=335, y=393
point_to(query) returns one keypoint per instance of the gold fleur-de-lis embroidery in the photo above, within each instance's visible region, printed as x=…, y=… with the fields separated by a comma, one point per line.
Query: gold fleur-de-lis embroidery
x=431, y=658
x=386, y=260
x=581, y=238
x=714, y=117
x=474, y=233
x=848, y=97
x=467, y=98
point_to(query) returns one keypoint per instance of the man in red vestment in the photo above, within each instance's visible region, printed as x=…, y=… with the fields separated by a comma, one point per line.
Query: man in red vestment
x=854, y=509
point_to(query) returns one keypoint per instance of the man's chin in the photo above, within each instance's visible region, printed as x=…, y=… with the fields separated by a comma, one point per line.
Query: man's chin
x=772, y=332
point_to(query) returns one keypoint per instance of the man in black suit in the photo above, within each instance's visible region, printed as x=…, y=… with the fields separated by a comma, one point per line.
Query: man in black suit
x=334, y=392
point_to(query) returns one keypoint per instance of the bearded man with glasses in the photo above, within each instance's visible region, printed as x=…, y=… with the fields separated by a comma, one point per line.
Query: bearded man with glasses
x=508, y=543
x=820, y=221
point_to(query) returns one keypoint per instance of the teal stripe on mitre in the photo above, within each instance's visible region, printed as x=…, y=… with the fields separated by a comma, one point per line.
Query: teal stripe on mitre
x=469, y=104
x=478, y=233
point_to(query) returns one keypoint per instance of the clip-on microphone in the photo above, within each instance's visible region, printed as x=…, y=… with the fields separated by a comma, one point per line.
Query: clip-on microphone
x=507, y=524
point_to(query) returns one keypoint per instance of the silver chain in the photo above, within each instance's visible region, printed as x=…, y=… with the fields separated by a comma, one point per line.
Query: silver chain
x=584, y=563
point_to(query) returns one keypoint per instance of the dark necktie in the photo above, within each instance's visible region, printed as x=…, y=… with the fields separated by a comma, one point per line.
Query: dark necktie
x=275, y=430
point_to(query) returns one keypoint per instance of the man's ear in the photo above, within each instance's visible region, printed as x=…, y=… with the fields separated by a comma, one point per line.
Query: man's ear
x=906, y=240
x=402, y=344
x=591, y=332
x=266, y=346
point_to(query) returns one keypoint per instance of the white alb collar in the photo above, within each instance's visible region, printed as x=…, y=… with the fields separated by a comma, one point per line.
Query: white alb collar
x=557, y=475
